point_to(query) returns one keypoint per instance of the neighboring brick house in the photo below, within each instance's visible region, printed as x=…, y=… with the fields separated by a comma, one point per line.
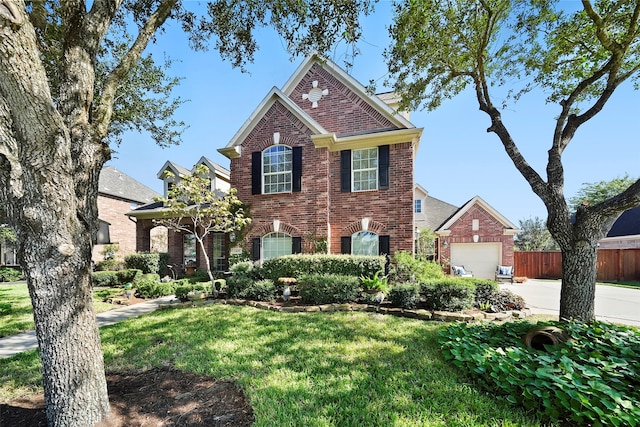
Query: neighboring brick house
x=182, y=247
x=625, y=232
x=323, y=164
x=478, y=237
x=118, y=194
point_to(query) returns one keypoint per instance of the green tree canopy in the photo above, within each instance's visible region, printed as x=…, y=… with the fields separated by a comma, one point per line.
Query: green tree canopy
x=592, y=193
x=534, y=236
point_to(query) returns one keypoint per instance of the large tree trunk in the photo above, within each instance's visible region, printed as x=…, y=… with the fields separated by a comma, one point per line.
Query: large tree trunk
x=49, y=192
x=72, y=361
x=577, y=297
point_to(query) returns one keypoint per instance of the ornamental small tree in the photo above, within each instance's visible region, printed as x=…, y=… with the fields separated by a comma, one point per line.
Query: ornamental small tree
x=193, y=207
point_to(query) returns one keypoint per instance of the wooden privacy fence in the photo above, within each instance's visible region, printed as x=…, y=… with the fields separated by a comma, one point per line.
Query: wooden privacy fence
x=613, y=265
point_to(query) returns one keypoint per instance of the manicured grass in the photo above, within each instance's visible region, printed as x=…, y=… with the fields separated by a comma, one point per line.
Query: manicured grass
x=19, y=317
x=312, y=369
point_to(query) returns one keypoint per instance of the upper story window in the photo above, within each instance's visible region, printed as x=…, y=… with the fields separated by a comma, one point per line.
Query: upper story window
x=417, y=206
x=365, y=169
x=277, y=169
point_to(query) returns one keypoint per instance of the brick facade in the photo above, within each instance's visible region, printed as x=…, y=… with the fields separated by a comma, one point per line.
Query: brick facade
x=320, y=210
x=122, y=231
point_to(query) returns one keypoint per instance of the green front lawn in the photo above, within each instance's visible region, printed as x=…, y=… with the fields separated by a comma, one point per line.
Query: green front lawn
x=16, y=314
x=311, y=369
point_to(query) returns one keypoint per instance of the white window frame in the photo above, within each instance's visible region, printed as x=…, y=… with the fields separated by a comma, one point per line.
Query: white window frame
x=218, y=242
x=357, y=247
x=284, y=247
x=286, y=174
x=417, y=206
x=356, y=184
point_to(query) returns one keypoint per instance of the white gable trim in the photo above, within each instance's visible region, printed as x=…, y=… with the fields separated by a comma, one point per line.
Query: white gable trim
x=509, y=226
x=231, y=149
x=350, y=82
x=176, y=169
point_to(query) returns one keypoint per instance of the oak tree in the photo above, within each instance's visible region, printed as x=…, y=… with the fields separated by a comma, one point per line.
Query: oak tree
x=579, y=58
x=70, y=74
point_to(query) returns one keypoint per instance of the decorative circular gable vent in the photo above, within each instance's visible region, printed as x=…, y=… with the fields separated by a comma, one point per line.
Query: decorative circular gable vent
x=315, y=94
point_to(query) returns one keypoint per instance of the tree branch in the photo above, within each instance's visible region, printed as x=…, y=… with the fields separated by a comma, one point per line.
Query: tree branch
x=104, y=111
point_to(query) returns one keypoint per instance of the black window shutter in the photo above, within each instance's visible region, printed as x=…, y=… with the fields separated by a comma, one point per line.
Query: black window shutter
x=255, y=249
x=345, y=171
x=383, y=167
x=345, y=245
x=256, y=172
x=297, y=169
x=383, y=245
x=296, y=245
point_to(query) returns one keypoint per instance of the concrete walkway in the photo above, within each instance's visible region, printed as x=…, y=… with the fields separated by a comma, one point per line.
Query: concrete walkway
x=12, y=345
x=613, y=304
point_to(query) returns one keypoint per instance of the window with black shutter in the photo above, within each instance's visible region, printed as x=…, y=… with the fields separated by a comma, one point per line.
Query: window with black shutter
x=256, y=172
x=345, y=245
x=383, y=167
x=383, y=245
x=297, y=169
x=296, y=245
x=255, y=249
x=345, y=171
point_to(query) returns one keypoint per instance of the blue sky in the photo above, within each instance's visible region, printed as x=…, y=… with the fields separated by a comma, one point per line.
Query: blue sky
x=457, y=158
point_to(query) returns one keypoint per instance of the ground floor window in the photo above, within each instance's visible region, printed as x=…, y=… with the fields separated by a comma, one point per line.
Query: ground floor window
x=189, y=249
x=218, y=256
x=364, y=243
x=275, y=245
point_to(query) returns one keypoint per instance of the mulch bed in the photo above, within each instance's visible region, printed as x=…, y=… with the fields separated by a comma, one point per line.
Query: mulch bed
x=157, y=397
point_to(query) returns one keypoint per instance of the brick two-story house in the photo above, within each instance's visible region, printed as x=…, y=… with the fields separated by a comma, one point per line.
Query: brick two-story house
x=322, y=164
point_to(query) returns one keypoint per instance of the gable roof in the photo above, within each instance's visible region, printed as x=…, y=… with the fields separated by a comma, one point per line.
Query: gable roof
x=404, y=131
x=437, y=211
x=224, y=172
x=114, y=183
x=175, y=168
x=398, y=119
x=508, y=225
x=628, y=224
x=232, y=149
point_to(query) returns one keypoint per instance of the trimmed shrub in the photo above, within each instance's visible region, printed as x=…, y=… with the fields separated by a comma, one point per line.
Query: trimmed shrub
x=299, y=265
x=104, y=278
x=328, y=288
x=237, y=284
x=149, y=286
x=128, y=276
x=109, y=265
x=260, y=290
x=8, y=274
x=147, y=262
x=405, y=295
x=448, y=294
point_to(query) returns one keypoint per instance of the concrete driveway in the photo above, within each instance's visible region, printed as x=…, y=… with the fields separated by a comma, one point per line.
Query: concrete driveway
x=613, y=304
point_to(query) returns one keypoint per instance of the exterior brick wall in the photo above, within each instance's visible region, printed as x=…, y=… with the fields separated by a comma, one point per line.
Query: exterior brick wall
x=122, y=231
x=490, y=230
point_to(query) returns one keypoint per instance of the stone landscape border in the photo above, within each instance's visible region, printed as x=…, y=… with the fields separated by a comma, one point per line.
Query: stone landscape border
x=421, y=314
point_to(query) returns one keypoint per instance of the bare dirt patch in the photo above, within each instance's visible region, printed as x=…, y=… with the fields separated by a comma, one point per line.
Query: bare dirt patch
x=157, y=397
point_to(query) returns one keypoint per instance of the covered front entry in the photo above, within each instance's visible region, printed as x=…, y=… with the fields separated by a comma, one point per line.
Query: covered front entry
x=480, y=258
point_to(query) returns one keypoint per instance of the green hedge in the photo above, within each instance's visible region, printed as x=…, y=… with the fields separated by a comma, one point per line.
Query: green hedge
x=299, y=265
x=405, y=295
x=328, y=288
x=448, y=294
x=149, y=286
x=147, y=262
x=8, y=274
x=105, y=278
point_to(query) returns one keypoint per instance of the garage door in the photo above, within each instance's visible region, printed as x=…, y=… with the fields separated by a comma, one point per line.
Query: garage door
x=480, y=258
